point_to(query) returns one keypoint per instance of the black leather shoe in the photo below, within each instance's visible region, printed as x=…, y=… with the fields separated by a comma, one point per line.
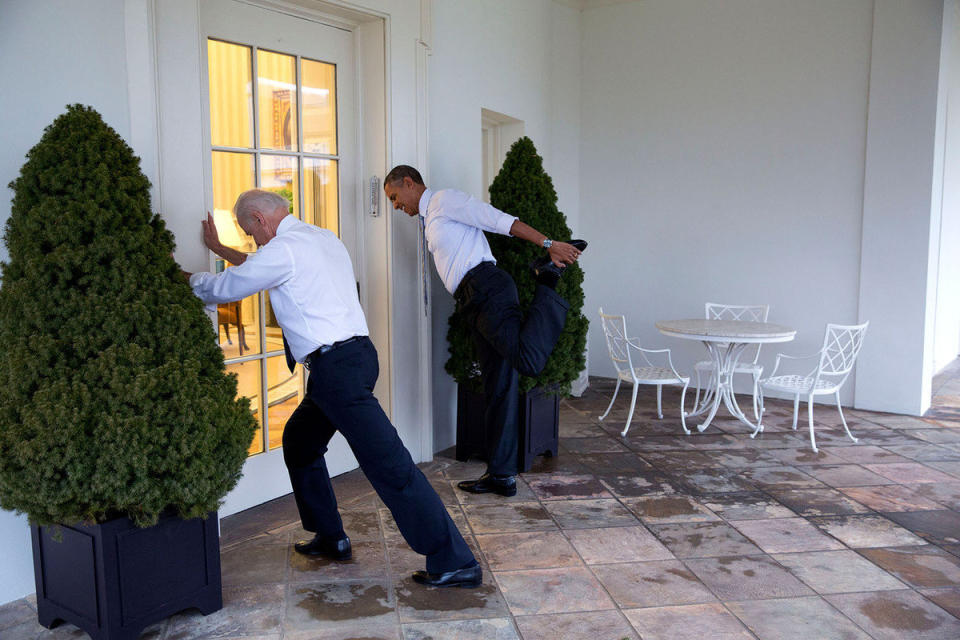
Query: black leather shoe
x=467, y=578
x=579, y=245
x=502, y=485
x=319, y=546
x=546, y=272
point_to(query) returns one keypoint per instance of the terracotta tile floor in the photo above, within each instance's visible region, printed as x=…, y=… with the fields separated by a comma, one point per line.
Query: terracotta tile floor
x=656, y=535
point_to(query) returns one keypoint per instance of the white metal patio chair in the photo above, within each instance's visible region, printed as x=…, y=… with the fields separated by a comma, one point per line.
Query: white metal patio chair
x=620, y=346
x=841, y=345
x=750, y=313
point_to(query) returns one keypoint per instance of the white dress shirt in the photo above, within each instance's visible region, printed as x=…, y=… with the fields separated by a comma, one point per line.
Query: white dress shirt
x=454, y=223
x=310, y=278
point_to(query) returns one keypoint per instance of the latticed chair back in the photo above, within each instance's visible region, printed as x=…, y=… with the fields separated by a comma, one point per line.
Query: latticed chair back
x=841, y=346
x=615, y=332
x=745, y=312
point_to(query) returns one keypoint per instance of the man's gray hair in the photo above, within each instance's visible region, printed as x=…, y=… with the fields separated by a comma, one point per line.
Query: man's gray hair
x=265, y=202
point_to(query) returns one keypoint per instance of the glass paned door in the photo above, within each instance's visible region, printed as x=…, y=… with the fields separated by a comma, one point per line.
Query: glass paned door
x=273, y=125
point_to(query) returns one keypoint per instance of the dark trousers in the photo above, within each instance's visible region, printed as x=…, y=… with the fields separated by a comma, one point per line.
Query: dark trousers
x=340, y=398
x=507, y=344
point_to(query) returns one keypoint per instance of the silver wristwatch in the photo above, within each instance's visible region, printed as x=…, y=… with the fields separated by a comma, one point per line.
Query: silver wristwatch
x=547, y=243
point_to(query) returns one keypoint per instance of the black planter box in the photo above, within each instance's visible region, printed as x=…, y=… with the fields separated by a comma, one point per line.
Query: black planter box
x=539, y=425
x=113, y=579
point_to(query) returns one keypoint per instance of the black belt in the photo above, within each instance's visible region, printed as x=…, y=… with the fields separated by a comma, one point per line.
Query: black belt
x=329, y=347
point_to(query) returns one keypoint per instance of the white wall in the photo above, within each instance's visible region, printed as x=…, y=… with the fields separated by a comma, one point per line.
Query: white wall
x=77, y=56
x=947, y=328
x=517, y=58
x=722, y=161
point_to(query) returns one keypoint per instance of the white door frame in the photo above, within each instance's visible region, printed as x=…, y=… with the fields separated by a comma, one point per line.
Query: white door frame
x=166, y=128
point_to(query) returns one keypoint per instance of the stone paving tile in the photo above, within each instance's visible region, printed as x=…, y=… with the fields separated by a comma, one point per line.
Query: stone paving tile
x=490, y=629
x=524, y=494
x=614, y=463
x=847, y=475
x=937, y=436
x=603, y=444
x=818, y=502
x=891, y=497
x=746, y=459
x=700, y=481
x=418, y=604
x=508, y=516
x=351, y=631
x=595, y=625
x=908, y=473
x=703, y=539
x=745, y=506
x=678, y=460
x=319, y=605
x=786, y=535
x=804, y=457
x=251, y=610
x=746, y=577
x=897, y=615
x=652, y=584
x=796, y=619
x=254, y=564
x=532, y=550
x=687, y=622
x=558, y=464
x=951, y=467
x=580, y=514
x=667, y=509
x=938, y=527
x=946, y=599
x=922, y=452
x=640, y=483
x=566, y=487
x=782, y=477
x=368, y=561
x=15, y=613
x=923, y=566
x=865, y=454
x=838, y=571
x=861, y=531
x=946, y=493
x=552, y=591
x=617, y=544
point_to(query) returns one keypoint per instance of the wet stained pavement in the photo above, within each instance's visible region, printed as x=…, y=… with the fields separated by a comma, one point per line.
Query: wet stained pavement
x=655, y=536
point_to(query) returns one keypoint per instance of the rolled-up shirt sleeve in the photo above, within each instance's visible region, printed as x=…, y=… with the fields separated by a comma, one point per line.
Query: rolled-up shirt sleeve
x=269, y=267
x=481, y=215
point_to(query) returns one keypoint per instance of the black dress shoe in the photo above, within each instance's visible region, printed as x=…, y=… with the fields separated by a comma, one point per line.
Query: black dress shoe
x=502, y=485
x=546, y=272
x=320, y=546
x=579, y=245
x=467, y=578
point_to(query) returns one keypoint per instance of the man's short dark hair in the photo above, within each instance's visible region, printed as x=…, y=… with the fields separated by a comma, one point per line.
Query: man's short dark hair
x=402, y=171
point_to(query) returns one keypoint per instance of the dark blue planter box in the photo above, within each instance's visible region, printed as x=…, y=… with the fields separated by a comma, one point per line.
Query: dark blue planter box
x=539, y=425
x=113, y=579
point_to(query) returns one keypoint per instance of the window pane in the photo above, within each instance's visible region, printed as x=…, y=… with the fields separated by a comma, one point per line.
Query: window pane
x=238, y=324
x=248, y=385
x=231, y=97
x=284, y=393
x=319, y=82
x=320, y=204
x=277, y=97
x=280, y=175
x=272, y=333
x=233, y=173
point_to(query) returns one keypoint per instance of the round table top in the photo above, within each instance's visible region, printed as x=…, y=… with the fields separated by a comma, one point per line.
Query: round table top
x=726, y=330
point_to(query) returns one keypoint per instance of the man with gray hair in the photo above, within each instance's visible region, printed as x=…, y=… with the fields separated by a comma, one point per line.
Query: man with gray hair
x=310, y=279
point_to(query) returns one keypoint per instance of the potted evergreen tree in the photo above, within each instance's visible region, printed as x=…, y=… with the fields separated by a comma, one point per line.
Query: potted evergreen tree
x=523, y=189
x=120, y=431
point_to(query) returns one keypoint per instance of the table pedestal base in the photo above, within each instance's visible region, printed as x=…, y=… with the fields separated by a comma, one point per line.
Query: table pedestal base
x=720, y=385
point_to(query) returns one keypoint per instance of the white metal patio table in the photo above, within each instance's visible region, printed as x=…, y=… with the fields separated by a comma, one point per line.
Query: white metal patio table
x=725, y=340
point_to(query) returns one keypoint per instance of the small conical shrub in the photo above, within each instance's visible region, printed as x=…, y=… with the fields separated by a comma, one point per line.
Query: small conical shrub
x=113, y=395
x=523, y=189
